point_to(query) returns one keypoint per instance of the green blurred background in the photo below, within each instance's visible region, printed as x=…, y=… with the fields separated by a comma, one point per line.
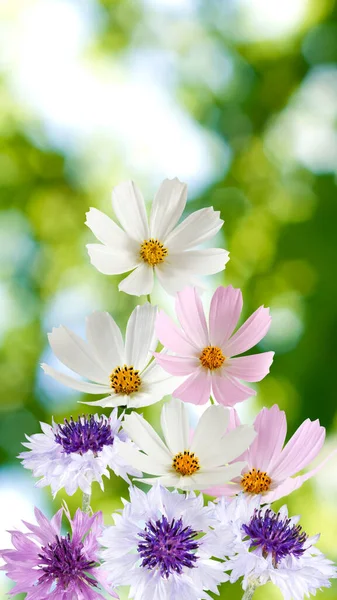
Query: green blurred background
x=236, y=97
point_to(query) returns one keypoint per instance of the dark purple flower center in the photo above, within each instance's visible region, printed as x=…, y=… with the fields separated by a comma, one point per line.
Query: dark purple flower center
x=168, y=546
x=275, y=536
x=65, y=563
x=84, y=434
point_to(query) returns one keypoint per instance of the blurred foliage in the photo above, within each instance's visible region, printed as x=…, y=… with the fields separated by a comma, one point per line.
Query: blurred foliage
x=279, y=209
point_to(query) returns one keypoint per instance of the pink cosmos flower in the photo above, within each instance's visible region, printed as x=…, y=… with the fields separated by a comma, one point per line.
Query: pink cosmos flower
x=204, y=353
x=45, y=564
x=271, y=467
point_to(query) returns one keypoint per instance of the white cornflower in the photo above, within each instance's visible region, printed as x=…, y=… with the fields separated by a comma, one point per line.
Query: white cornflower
x=77, y=453
x=127, y=373
x=182, y=462
x=272, y=547
x=162, y=546
x=159, y=245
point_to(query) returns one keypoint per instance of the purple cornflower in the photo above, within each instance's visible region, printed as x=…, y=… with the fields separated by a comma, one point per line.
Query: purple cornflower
x=87, y=433
x=272, y=547
x=275, y=535
x=44, y=563
x=163, y=546
x=168, y=546
x=76, y=453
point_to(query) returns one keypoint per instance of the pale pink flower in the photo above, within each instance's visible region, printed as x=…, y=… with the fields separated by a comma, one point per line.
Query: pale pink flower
x=204, y=352
x=271, y=466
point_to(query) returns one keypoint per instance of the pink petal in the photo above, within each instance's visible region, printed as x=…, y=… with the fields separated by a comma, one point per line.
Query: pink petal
x=225, y=310
x=271, y=427
x=301, y=449
x=177, y=365
x=228, y=489
x=234, y=420
x=228, y=391
x=56, y=521
x=191, y=315
x=196, y=389
x=250, y=368
x=172, y=337
x=293, y=483
x=250, y=333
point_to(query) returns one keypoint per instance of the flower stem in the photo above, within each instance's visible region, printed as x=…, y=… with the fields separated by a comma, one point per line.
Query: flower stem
x=86, y=503
x=148, y=298
x=248, y=595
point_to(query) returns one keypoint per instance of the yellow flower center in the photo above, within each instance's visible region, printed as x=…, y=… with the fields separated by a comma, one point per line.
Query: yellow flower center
x=212, y=357
x=153, y=252
x=125, y=380
x=255, y=482
x=186, y=463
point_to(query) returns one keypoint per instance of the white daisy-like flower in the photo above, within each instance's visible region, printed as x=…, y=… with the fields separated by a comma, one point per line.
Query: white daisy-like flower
x=162, y=546
x=156, y=245
x=184, y=461
x=126, y=372
x=77, y=453
x=272, y=547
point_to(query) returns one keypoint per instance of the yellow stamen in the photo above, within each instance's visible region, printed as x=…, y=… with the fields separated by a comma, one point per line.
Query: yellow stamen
x=212, y=357
x=125, y=380
x=186, y=463
x=153, y=252
x=256, y=481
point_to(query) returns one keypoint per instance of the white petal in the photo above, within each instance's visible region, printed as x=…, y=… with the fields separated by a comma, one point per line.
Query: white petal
x=110, y=401
x=146, y=438
x=212, y=425
x=158, y=382
x=128, y=204
x=197, y=228
x=175, y=427
x=139, y=282
x=106, y=230
x=140, y=461
x=167, y=207
x=140, y=338
x=141, y=399
x=170, y=480
x=104, y=335
x=235, y=442
x=112, y=261
x=210, y=477
x=76, y=354
x=200, y=262
x=81, y=386
x=173, y=279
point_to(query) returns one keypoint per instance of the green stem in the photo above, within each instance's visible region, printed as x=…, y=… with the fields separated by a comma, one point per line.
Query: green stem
x=148, y=298
x=248, y=595
x=86, y=503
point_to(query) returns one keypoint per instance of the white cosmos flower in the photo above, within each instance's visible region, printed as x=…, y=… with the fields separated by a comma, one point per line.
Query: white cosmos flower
x=159, y=245
x=271, y=547
x=74, y=454
x=181, y=462
x=127, y=373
